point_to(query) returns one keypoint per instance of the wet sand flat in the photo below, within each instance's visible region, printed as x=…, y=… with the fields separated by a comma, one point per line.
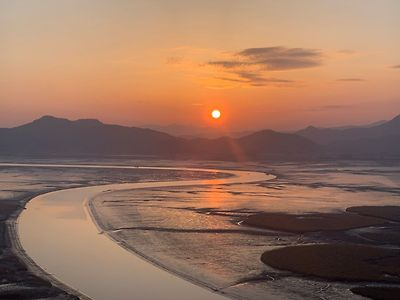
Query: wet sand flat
x=173, y=226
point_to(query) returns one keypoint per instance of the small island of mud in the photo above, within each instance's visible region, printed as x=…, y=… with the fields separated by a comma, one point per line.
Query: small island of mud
x=391, y=213
x=348, y=262
x=302, y=223
x=378, y=292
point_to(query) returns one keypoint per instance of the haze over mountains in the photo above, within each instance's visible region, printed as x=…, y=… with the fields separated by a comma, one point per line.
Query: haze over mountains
x=379, y=141
x=329, y=135
x=191, y=131
x=61, y=137
x=188, y=131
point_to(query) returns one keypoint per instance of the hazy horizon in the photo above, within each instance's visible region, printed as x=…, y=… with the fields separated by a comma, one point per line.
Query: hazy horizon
x=209, y=128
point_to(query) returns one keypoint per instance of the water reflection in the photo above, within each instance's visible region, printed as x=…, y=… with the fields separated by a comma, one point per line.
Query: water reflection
x=58, y=234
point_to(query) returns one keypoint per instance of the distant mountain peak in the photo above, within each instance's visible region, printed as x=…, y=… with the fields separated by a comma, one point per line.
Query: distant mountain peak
x=311, y=127
x=396, y=119
x=49, y=118
x=308, y=130
x=89, y=122
x=59, y=136
x=266, y=132
x=374, y=130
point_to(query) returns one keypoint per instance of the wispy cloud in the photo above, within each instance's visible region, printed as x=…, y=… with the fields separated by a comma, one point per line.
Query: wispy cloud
x=337, y=106
x=329, y=107
x=251, y=65
x=255, y=79
x=396, y=67
x=351, y=79
x=347, y=52
x=228, y=64
x=272, y=58
x=174, y=60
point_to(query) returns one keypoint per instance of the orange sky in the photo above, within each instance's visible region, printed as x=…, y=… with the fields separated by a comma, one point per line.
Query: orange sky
x=265, y=64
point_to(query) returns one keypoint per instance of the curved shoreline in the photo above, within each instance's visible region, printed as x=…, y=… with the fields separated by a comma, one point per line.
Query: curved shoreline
x=11, y=225
x=97, y=221
x=245, y=177
x=18, y=250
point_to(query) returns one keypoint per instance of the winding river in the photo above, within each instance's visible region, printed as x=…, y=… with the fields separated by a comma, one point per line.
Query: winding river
x=57, y=231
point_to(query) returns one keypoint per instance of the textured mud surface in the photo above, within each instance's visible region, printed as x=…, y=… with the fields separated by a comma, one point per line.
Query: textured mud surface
x=199, y=233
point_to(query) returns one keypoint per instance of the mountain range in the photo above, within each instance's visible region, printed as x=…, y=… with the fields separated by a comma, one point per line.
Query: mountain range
x=377, y=141
x=61, y=137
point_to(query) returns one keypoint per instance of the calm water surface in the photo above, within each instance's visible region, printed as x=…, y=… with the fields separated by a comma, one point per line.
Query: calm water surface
x=58, y=233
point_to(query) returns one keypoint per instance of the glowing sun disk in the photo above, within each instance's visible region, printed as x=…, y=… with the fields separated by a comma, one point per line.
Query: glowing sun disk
x=216, y=114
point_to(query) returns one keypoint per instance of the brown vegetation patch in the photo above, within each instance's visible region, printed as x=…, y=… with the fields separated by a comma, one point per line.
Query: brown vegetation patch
x=391, y=213
x=349, y=262
x=302, y=223
x=377, y=292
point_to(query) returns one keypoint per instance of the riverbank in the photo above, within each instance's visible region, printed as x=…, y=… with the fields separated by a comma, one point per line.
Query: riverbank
x=20, y=277
x=64, y=212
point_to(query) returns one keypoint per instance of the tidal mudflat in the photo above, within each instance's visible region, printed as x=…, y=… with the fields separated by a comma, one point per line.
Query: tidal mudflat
x=18, y=184
x=200, y=232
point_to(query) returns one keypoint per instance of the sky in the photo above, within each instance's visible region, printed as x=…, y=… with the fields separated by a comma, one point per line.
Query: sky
x=264, y=64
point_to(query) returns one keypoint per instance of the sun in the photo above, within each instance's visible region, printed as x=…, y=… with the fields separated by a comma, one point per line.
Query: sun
x=216, y=114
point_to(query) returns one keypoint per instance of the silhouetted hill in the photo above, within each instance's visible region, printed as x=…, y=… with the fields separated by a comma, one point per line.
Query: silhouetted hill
x=331, y=135
x=381, y=141
x=268, y=141
x=266, y=144
x=370, y=148
x=50, y=135
x=61, y=137
x=55, y=136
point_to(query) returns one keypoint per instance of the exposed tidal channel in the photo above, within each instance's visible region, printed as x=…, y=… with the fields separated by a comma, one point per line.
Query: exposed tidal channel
x=58, y=232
